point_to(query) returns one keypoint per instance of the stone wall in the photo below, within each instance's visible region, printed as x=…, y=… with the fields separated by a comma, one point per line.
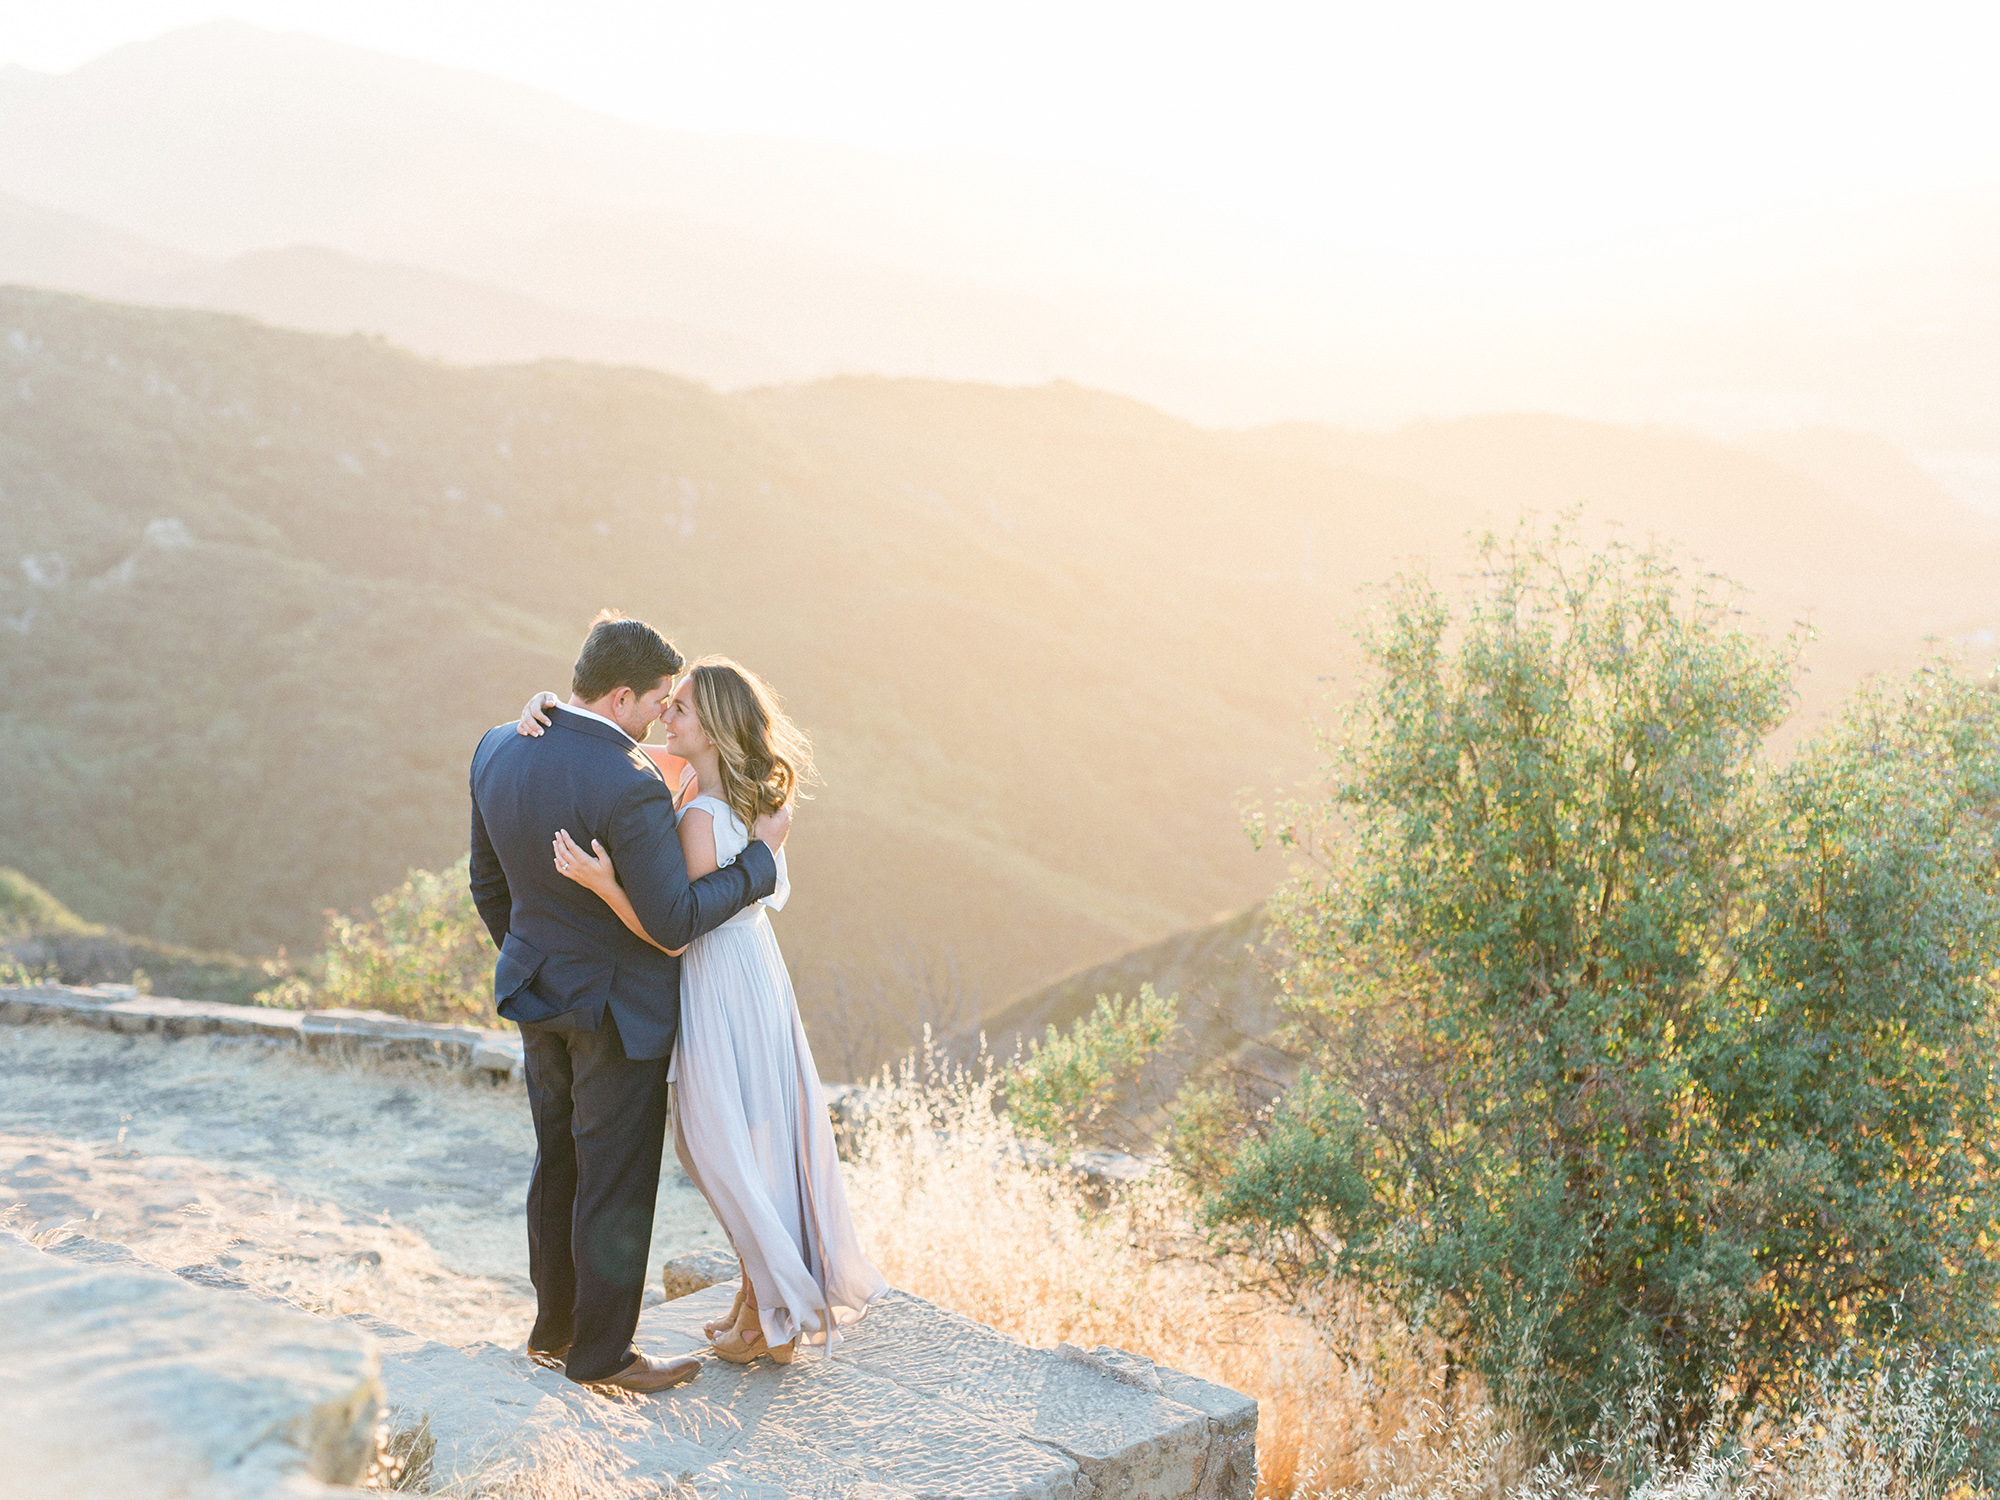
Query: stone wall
x=482, y=1053
x=479, y=1051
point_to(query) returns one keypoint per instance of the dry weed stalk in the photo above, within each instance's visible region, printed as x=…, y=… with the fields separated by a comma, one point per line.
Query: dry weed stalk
x=954, y=1208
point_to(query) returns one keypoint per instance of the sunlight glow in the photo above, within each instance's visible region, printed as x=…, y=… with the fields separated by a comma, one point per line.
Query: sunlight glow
x=1435, y=129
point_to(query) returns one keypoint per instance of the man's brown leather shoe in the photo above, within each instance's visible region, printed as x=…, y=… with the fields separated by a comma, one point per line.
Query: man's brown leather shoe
x=549, y=1359
x=645, y=1375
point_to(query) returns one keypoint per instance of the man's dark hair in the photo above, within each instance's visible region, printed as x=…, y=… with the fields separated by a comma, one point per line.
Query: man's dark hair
x=622, y=653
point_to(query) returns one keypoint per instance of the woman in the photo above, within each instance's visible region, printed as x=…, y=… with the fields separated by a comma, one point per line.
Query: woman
x=750, y=1125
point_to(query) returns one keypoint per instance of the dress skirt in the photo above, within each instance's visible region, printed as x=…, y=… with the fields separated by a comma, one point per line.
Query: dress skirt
x=751, y=1131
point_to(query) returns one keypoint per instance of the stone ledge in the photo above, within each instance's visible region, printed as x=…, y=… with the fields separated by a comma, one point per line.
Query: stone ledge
x=339, y=1033
x=917, y=1402
x=119, y=1378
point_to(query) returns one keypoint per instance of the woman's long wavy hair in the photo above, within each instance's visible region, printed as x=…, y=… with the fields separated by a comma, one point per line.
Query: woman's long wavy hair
x=767, y=760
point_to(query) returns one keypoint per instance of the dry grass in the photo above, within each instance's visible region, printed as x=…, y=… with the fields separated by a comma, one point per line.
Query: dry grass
x=953, y=1210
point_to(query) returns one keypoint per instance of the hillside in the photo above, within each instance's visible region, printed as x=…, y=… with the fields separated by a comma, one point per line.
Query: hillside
x=265, y=589
x=43, y=939
x=1221, y=971
x=268, y=588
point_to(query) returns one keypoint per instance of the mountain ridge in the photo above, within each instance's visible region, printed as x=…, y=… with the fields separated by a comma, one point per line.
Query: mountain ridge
x=321, y=290
x=1874, y=317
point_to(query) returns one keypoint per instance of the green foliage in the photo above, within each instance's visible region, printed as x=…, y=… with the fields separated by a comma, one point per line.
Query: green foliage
x=1630, y=1051
x=424, y=954
x=1851, y=1072
x=16, y=975
x=1205, y=1129
x=1302, y=1193
x=1069, y=1080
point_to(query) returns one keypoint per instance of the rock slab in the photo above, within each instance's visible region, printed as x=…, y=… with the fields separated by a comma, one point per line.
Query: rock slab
x=917, y=1402
x=118, y=1378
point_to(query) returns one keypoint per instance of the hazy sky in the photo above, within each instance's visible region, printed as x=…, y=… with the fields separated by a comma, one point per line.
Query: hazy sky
x=1455, y=129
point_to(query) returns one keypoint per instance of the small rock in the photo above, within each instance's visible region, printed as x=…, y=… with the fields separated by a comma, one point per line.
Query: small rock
x=690, y=1273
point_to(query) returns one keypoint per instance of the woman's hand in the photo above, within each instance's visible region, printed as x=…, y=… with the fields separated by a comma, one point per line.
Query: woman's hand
x=535, y=718
x=596, y=872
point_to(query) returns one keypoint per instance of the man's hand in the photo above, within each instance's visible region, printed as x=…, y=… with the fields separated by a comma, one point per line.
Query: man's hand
x=772, y=827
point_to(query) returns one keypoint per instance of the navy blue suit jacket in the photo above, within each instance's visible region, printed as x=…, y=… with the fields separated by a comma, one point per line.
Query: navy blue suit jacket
x=564, y=957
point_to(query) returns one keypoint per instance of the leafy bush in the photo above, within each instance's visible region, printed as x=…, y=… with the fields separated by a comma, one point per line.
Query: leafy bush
x=16, y=975
x=1631, y=1052
x=1069, y=1081
x=424, y=954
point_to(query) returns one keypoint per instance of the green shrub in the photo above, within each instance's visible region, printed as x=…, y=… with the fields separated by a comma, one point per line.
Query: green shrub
x=1070, y=1081
x=16, y=975
x=1631, y=1052
x=423, y=954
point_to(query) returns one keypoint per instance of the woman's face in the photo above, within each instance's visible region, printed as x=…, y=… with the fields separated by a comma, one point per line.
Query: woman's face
x=681, y=726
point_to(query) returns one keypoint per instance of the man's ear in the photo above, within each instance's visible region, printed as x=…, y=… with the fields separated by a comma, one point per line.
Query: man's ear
x=622, y=700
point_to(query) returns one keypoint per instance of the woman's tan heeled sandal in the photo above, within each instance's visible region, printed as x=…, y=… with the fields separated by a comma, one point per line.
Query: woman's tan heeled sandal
x=740, y=1348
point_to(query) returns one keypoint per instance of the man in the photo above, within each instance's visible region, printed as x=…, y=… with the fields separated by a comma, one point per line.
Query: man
x=598, y=1008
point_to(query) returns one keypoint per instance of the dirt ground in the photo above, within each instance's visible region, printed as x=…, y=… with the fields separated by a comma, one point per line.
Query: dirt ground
x=391, y=1189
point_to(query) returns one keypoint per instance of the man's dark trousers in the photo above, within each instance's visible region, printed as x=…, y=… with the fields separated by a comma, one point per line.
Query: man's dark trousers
x=602, y=1117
